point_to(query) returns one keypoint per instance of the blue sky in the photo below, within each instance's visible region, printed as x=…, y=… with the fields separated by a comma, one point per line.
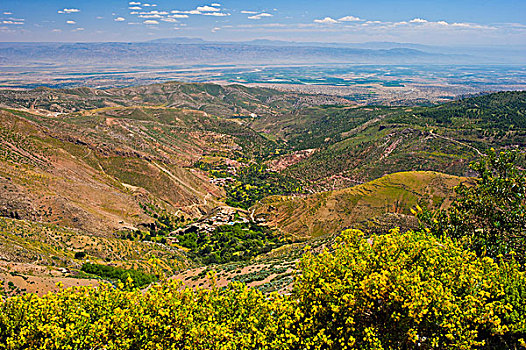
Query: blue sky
x=451, y=22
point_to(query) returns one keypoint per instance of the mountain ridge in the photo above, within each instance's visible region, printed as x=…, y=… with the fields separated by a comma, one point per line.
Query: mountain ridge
x=154, y=53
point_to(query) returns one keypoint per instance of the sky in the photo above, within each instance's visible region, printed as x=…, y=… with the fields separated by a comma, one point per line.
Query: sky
x=438, y=22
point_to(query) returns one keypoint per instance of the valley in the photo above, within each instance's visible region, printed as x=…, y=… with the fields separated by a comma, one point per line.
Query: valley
x=182, y=179
x=363, y=82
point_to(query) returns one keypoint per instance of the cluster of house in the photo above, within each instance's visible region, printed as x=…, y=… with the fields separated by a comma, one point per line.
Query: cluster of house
x=220, y=216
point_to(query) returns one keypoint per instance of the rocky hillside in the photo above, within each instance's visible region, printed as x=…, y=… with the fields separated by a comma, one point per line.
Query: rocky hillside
x=93, y=173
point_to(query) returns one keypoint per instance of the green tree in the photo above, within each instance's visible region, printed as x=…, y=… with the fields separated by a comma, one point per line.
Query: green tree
x=489, y=214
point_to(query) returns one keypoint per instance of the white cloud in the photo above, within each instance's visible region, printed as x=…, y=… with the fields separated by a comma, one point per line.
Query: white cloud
x=119, y=19
x=260, y=16
x=150, y=16
x=215, y=29
x=134, y=3
x=71, y=22
x=68, y=11
x=13, y=22
x=473, y=26
x=350, y=19
x=170, y=20
x=249, y=12
x=217, y=14
x=514, y=25
x=154, y=12
x=465, y=25
x=215, y=4
x=191, y=12
x=135, y=8
x=418, y=20
x=326, y=20
x=8, y=13
x=178, y=16
x=79, y=29
x=56, y=30
x=207, y=9
x=99, y=17
x=442, y=23
x=150, y=21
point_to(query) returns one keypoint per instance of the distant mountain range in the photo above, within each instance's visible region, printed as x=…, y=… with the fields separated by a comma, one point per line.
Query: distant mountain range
x=196, y=51
x=465, y=54
x=268, y=42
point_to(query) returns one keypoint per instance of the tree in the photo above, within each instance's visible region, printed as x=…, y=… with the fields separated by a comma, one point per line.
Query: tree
x=80, y=255
x=489, y=215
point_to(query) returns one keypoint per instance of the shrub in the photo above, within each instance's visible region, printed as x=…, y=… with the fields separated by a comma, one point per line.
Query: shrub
x=138, y=278
x=406, y=291
x=165, y=317
x=395, y=291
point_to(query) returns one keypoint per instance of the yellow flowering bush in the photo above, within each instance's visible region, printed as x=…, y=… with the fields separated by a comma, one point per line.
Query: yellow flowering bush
x=406, y=291
x=394, y=291
x=166, y=316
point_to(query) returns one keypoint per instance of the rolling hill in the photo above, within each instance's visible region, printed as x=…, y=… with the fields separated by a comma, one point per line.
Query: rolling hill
x=92, y=177
x=225, y=101
x=383, y=203
x=355, y=145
